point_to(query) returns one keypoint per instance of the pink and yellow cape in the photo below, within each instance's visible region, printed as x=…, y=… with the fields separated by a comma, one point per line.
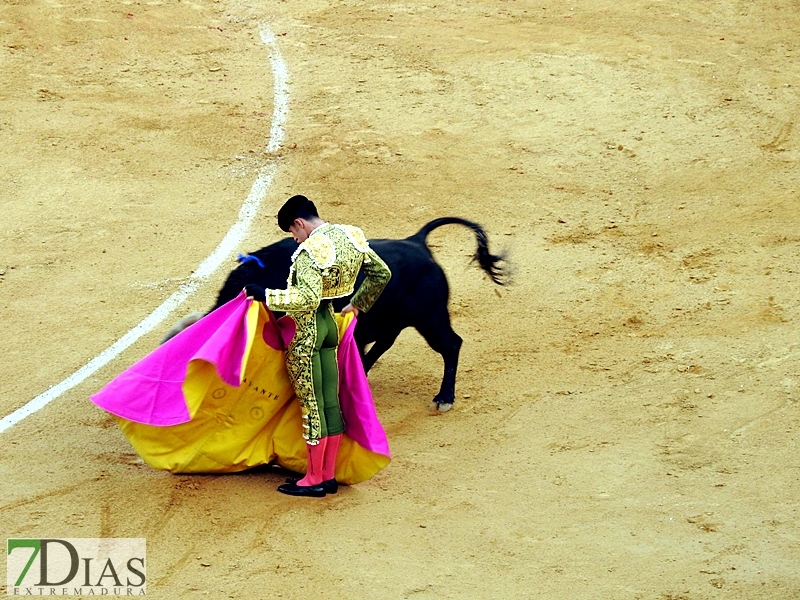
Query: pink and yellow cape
x=217, y=399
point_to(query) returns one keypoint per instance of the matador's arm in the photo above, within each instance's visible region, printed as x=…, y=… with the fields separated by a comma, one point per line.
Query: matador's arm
x=304, y=293
x=378, y=275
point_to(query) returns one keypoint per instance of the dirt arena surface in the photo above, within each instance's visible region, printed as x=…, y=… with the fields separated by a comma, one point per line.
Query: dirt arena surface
x=626, y=424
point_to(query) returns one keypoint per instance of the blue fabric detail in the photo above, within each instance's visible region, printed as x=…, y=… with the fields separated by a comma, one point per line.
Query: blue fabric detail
x=250, y=258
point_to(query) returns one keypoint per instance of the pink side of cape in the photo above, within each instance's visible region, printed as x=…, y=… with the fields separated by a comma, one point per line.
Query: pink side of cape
x=355, y=398
x=150, y=391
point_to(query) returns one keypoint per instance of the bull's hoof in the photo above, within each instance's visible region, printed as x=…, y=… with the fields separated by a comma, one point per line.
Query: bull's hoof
x=436, y=407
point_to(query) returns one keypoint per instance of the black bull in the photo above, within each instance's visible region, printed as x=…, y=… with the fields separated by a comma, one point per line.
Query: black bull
x=416, y=296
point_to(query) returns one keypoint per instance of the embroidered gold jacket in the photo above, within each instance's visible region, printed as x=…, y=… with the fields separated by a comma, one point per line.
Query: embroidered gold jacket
x=326, y=265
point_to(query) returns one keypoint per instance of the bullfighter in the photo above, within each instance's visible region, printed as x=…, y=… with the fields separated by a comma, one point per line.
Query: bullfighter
x=324, y=266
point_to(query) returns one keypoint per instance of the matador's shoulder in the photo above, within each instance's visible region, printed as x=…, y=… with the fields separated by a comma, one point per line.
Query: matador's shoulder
x=356, y=236
x=320, y=249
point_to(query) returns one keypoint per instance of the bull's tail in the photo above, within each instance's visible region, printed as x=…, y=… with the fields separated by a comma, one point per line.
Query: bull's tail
x=491, y=263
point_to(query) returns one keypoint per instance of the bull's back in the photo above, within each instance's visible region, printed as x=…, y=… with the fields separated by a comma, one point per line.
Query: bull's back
x=414, y=271
x=417, y=280
x=417, y=283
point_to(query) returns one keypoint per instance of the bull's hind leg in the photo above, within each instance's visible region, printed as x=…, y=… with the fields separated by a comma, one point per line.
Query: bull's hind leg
x=441, y=337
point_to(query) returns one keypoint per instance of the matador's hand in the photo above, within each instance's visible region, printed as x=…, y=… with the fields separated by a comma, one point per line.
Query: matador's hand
x=351, y=309
x=255, y=292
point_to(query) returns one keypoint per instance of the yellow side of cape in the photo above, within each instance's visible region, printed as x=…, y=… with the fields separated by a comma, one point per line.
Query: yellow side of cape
x=237, y=428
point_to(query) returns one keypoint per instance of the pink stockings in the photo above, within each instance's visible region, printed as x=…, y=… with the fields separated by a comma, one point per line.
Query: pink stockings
x=331, y=451
x=321, y=461
x=316, y=458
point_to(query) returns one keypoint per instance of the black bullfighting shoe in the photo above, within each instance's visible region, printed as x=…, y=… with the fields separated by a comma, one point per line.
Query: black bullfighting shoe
x=292, y=489
x=331, y=486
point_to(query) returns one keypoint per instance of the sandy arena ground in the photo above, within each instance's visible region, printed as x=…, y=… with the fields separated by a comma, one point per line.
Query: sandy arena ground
x=627, y=419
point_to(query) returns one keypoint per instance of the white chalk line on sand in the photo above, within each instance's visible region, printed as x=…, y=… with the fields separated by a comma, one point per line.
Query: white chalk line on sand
x=231, y=240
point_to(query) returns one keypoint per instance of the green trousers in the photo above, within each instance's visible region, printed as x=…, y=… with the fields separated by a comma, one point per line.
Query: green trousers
x=325, y=372
x=312, y=366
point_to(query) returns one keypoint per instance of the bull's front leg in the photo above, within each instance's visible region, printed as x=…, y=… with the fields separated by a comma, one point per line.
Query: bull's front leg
x=380, y=346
